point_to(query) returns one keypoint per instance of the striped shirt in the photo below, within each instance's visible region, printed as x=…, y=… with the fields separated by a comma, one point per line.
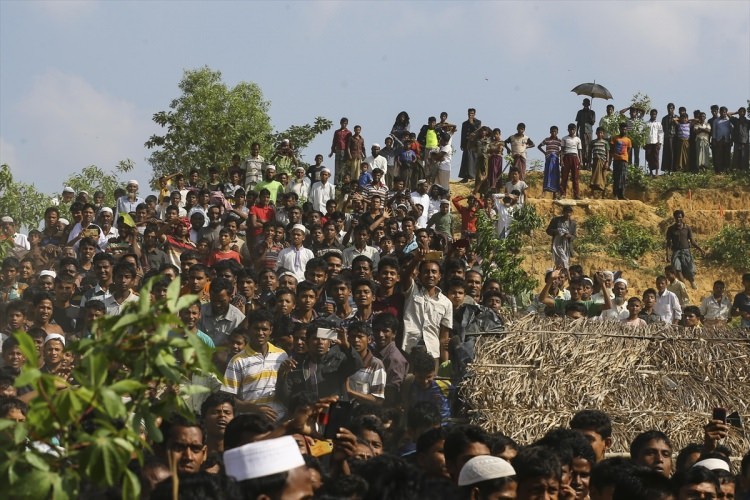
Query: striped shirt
x=599, y=148
x=252, y=377
x=371, y=378
x=552, y=145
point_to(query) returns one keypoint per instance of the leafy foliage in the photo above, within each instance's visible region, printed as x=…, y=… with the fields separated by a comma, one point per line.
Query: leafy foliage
x=503, y=258
x=207, y=124
x=683, y=181
x=632, y=240
x=21, y=201
x=593, y=236
x=84, y=435
x=93, y=178
x=731, y=246
x=210, y=122
x=637, y=132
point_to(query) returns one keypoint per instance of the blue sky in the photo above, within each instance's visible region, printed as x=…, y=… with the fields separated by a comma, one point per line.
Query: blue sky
x=80, y=80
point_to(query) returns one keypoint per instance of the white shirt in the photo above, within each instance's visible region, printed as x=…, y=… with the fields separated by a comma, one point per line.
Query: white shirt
x=21, y=241
x=370, y=252
x=377, y=162
x=301, y=188
x=295, y=260
x=423, y=317
x=713, y=309
x=424, y=200
x=616, y=313
x=320, y=194
x=668, y=307
x=571, y=145
x=654, y=132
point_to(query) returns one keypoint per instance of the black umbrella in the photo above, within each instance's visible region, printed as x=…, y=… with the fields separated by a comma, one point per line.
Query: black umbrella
x=592, y=90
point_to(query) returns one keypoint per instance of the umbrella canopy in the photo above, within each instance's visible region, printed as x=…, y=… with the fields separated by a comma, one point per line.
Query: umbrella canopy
x=593, y=90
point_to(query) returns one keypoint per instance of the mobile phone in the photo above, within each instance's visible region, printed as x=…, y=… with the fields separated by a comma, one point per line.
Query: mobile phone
x=434, y=255
x=719, y=414
x=339, y=415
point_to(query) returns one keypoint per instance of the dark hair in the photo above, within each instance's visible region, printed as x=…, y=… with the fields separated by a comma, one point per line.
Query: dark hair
x=385, y=320
x=421, y=361
x=429, y=438
x=389, y=262
x=96, y=305
x=592, y=420
x=367, y=423
x=175, y=421
x=500, y=442
x=7, y=404
x=390, y=477
x=424, y=414
x=459, y=437
x=695, y=475
x=221, y=284
x=642, y=439
x=198, y=486
x=245, y=426
x=536, y=462
x=260, y=316
x=642, y=483
x=569, y=444
x=216, y=399
x=104, y=256
x=576, y=307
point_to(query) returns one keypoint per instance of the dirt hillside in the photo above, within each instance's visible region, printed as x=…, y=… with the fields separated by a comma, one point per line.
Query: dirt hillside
x=706, y=211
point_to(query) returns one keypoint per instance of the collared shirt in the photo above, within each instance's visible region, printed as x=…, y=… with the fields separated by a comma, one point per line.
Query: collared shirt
x=713, y=309
x=370, y=379
x=300, y=187
x=320, y=194
x=252, y=377
x=654, y=132
x=220, y=327
x=379, y=161
x=424, y=200
x=668, y=307
x=370, y=252
x=114, y=307
x=295, y=260
x=97, y=293
x=423, y=318
x=395, y=364
x=616, y=313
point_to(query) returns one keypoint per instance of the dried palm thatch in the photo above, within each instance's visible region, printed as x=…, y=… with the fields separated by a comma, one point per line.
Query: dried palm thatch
x=542, y=371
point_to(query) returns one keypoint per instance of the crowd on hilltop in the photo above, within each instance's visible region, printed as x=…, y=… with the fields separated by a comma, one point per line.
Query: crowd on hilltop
x=346, y=296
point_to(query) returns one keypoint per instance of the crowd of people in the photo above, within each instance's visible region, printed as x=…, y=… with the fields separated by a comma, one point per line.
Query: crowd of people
x=343, y=309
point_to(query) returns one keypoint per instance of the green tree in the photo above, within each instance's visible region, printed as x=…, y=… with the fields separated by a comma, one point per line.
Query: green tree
x=93, y=178
x=503, y=258
x=301, y=135
x=21, y=201
x=82, y=436
x=207, y=124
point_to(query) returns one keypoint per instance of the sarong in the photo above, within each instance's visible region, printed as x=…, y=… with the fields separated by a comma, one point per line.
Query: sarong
x=598, y=174
x=495, y=171
x=552, y=173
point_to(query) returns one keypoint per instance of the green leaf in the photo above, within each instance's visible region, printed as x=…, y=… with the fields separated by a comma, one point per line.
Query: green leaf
x=35, y=484
x=131, y=485
x=36, y=461
x=104, y=460
x=28, y=348
x=193, y=389
x=95, y=368
x=28, y=376
x=112, y=403
x=126, y=386
x=126, y=320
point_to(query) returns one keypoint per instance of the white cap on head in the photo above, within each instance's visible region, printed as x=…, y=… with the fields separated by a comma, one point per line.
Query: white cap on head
x=299, y=227
x=263, y=458
x=64, y=221
x=105, y=209
x=47, y=272
x=270, y=167
x=68, y=189
x=6, y=219
x=133, y=182
x=484, y=468
x=713, y=464
x=376, y=145
x=54, y=336
x=325, y=170
x=621, y=280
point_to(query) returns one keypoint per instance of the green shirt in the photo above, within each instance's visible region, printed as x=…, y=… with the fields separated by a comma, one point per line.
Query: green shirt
x=443, y=222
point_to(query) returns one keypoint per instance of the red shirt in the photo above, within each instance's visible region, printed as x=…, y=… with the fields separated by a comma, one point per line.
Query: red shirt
x=263, y=214
x=340, y=138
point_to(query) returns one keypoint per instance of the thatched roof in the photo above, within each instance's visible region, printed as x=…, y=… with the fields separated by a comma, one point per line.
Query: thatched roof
x=542, y=371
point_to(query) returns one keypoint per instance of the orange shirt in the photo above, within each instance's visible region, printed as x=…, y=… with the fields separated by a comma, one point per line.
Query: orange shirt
x=620, y=148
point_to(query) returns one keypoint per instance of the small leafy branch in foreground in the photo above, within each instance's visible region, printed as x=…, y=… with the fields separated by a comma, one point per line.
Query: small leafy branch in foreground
x=80, y=437
x=631, y=240
x=503, y=258
x=731, y=246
